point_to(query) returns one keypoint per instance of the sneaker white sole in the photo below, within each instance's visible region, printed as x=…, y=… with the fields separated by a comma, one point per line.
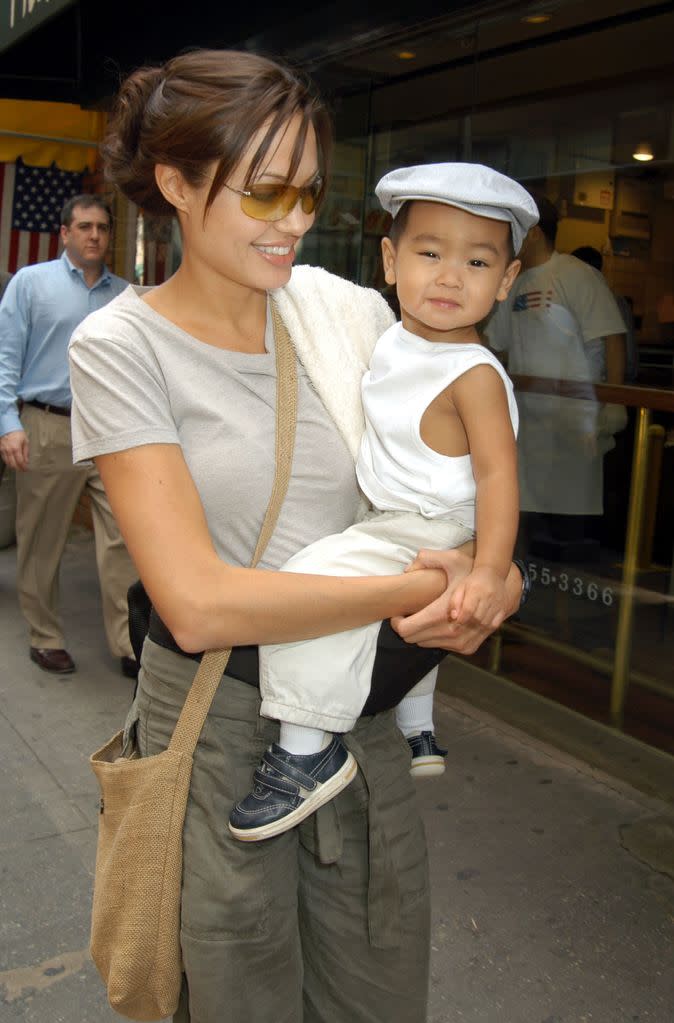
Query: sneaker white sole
x=427, y=767
x=327, y=791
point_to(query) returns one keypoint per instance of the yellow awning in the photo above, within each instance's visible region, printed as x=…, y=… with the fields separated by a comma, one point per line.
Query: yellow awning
x=46, y=133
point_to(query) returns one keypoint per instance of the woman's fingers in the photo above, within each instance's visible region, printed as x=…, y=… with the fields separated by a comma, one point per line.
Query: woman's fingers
x=428, y=628
x=433, y=617
x=466, y=640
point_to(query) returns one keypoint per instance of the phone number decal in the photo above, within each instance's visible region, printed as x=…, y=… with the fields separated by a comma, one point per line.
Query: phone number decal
x=590, y=589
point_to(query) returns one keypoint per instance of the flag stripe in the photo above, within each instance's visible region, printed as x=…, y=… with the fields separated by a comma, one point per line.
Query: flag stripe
x=43, y=247
x=33, y=247
x=7, y=171
x=23, y=249
x=13, y=251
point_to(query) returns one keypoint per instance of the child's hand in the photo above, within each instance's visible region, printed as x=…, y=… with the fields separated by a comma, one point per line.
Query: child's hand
x=434, y=627
x=480, y=597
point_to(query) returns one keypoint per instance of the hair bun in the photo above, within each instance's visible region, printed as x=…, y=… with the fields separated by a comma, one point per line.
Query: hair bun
x=122, y=149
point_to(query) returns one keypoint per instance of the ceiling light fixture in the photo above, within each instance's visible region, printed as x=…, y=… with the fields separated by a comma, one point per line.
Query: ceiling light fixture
x=406, y=55
x=643, y=152
x=536, y=19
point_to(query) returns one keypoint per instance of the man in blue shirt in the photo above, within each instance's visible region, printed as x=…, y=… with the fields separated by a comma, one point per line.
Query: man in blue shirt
x=39, y=311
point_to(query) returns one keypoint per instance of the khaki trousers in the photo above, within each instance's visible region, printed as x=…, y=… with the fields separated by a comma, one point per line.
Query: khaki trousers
x=47, y=495
x=328, y=923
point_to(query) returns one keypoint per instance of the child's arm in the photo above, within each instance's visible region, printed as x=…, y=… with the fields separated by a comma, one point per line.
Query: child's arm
x=481, y=403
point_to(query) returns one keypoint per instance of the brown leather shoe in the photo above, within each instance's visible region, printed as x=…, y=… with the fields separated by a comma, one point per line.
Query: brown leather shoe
x=58, y=661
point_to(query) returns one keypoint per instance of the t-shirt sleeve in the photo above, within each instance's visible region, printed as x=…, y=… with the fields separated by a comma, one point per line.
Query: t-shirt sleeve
x=119, y=397
x=590, y=299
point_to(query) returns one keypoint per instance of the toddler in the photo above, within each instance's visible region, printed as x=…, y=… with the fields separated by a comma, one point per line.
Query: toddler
x=438, y=463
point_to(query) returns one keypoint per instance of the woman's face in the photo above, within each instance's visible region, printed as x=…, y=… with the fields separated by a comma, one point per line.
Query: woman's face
x=229, y=244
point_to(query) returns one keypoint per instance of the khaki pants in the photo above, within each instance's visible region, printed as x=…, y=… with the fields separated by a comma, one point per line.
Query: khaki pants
x=328, y=923
x=47, y=495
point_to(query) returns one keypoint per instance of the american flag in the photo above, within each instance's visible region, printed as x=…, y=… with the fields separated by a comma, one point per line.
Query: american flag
x=533, y=300
x=30, y=210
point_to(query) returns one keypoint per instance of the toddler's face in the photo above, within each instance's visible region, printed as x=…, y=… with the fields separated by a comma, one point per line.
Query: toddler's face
x=449, y=267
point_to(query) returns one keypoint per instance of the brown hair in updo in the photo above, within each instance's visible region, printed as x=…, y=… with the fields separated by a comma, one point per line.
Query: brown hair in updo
x=202, y=108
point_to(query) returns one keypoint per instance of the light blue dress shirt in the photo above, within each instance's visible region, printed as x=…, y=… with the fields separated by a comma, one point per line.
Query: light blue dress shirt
x=39, y=311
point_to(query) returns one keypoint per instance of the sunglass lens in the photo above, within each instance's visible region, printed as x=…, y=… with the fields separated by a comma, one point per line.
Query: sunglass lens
x=311, y=196
x=266, y=202
x=274, y=202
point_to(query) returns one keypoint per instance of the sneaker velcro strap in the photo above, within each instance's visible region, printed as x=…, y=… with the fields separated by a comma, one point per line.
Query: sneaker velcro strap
x=290, y=771
x=276, y=782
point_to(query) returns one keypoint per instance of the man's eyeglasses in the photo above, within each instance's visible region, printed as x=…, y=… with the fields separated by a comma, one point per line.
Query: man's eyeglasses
x=274, y=202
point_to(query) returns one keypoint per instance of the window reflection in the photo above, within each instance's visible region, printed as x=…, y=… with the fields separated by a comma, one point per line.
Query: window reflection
x=599, y=597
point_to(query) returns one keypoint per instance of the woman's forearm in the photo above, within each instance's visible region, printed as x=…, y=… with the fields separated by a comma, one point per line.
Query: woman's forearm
x=207, y=603
x=240, y=606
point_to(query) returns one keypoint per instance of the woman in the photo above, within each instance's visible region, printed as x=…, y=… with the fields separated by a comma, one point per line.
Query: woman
x=174, y=399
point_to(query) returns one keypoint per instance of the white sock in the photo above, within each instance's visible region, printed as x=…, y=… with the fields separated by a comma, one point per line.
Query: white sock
x=414, y=714
x=301, y=741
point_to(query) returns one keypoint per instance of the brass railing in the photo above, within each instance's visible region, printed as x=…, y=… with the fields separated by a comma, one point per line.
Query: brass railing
x=642, y=497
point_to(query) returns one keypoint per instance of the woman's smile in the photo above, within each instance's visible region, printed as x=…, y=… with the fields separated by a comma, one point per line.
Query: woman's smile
x=278, y=255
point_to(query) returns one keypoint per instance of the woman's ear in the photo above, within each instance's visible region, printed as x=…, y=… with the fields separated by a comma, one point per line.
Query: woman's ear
x=172, y=186
x=388, y=255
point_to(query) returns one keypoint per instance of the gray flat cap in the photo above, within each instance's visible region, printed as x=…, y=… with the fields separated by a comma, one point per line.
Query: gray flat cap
x=469, y=186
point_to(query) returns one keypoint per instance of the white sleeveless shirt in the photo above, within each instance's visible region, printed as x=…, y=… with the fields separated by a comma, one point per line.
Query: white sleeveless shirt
x=396, y=470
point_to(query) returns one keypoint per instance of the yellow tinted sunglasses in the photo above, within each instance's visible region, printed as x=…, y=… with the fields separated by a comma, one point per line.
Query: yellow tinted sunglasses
x=274, y=202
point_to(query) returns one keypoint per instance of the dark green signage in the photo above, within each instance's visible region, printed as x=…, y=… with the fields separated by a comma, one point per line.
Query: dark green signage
x=19, y=17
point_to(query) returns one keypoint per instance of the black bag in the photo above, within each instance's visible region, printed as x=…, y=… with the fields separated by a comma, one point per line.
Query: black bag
x=139, y=617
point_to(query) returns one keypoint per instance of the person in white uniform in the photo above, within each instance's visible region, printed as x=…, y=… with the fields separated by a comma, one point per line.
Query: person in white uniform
x=437, y=462
x=561, y=321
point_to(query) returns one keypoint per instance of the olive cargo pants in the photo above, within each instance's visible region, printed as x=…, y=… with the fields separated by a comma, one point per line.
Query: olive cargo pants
x=327, y=923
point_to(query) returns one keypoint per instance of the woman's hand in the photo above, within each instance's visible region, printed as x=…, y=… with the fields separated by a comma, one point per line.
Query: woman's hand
x=436, y=624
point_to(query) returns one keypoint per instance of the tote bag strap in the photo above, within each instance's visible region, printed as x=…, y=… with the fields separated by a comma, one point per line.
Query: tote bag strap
x=213, y=663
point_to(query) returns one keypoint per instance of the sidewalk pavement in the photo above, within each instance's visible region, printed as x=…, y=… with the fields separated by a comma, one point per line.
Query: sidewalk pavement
x=553, y=885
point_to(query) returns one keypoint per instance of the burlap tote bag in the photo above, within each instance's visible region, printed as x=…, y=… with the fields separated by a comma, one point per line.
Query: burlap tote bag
x=135, y=929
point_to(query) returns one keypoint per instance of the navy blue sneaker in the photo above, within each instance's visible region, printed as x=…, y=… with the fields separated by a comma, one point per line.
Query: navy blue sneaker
x=428, y=758
x=288, y=787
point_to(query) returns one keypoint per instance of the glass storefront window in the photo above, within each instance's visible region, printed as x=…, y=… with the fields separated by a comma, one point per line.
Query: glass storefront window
x=336, y=239
x=597, y=634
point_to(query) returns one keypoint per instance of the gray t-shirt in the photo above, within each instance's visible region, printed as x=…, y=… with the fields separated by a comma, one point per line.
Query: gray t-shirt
x=138, y=379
